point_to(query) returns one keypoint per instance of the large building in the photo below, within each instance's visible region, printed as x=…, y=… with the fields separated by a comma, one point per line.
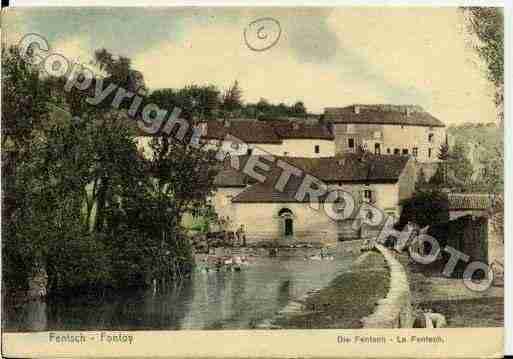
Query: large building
x=270, y=212
x=372, y=152
x=387, y=129
x=380, y=129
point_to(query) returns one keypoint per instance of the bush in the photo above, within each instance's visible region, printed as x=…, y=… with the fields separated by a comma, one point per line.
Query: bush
x=425, y=208
x=77, y=262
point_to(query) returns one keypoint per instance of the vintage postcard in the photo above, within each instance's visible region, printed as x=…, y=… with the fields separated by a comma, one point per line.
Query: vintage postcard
x=253, y=182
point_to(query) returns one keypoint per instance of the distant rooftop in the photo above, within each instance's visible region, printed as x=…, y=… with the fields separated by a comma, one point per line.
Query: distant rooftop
x=408, y=115
x=266, y=131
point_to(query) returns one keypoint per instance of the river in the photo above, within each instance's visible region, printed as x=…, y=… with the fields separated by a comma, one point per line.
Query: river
x=208, y=300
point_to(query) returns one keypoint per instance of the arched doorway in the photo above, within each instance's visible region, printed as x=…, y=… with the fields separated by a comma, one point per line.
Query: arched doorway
x=288, y=221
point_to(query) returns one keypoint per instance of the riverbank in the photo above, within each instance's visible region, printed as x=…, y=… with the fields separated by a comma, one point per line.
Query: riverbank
x=344, y=302
x=450, y=297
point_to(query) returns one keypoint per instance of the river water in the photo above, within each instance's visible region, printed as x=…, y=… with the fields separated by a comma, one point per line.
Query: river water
x=208, y=300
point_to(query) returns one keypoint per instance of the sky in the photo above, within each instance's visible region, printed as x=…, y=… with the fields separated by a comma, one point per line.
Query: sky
x=325, y=57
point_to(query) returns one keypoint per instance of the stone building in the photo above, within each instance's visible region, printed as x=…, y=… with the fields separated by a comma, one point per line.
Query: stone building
x=279, y=138
x=387, y=129
x=271, y=212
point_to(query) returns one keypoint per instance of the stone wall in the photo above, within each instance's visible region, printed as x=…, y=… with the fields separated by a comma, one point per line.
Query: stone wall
x=395, y=310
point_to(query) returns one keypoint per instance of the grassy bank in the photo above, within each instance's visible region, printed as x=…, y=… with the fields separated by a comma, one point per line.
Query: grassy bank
x=349, y=297
x=463, y=312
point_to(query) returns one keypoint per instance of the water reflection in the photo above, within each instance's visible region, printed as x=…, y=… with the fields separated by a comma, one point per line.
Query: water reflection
x=208, y=300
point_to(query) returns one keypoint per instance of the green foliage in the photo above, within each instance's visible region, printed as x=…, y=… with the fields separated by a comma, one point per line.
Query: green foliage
x=232, y=101
x=487, y=24
x=459, y=166
x=482, y=144
x=78, y=261
x=422, y=182
x=195, y=102
x=265, y=110
x=83, y=204
x=25, y=99
x=425, y=208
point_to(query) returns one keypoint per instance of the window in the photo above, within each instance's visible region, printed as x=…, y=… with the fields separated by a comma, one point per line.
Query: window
x=288, y=221
x=367, y=195
x=415, y=151
x=250, y=151
x=405, y=151
x=377, y=134
x=350, y=142
x=388, y=150
x=429, y=152
x=225, y=200
x=431, y=136
x=397, y=151
x=350, y=128
x=317, y=149
x=377, y=148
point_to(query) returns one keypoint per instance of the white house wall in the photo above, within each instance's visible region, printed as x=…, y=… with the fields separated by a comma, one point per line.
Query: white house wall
x=391, y=137
x=261, y=220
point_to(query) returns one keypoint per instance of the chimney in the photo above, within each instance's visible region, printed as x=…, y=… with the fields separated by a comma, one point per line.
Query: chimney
x=356, y=109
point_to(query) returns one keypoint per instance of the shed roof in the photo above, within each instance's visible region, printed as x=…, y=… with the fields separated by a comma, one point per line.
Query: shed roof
x=469, y=201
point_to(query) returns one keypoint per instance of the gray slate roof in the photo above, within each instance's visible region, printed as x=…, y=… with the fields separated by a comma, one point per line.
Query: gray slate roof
x=406, y=115
x=254, y=131
x=350, y=168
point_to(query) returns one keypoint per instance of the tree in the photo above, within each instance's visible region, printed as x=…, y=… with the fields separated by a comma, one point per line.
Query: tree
x=422, y=182
x=232, y=99
x=263, y=106
x=426, y=207
x=25, y=97
x=460, y=168
x=119, y=70
x=487, y=24
x=299, y=109
x=444, y=155
x=195, y=102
